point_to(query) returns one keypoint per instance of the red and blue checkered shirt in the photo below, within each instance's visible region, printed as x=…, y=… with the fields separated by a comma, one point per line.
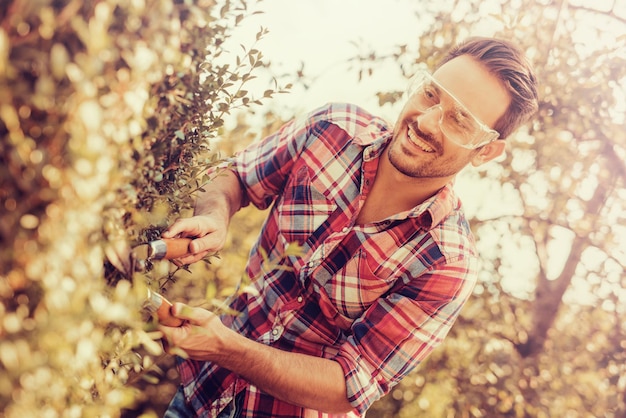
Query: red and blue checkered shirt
x=376, y=298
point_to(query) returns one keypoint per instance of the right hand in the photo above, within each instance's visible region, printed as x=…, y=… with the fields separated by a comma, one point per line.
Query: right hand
x=209, y=233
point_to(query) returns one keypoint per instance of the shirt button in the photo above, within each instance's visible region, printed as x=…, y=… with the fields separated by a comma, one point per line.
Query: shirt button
x=345, y=229
x=275, y=332
x=300, y=299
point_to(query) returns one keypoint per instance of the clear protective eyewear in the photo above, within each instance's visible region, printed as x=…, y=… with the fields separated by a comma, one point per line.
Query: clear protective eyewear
x=456, y=122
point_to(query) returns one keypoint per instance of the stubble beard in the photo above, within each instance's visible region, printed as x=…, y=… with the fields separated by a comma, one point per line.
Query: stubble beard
x=423, y=166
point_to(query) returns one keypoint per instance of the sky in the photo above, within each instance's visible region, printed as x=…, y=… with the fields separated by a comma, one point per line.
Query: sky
x=321, y=34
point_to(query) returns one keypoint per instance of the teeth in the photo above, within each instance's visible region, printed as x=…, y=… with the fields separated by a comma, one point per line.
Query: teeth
x=418, y=142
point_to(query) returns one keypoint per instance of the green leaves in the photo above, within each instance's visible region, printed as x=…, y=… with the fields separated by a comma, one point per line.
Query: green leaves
x=107, y=113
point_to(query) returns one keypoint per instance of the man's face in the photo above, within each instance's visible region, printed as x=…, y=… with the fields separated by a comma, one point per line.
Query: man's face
x=419, y=149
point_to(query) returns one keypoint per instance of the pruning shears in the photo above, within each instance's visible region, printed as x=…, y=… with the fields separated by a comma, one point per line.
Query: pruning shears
x=129, y=260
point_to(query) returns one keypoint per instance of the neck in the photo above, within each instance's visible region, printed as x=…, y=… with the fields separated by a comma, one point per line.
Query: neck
x=410, y=190
x=394, y=192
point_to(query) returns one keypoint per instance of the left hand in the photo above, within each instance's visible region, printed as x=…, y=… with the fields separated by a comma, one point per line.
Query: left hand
x=296, y=378
x=201, y=335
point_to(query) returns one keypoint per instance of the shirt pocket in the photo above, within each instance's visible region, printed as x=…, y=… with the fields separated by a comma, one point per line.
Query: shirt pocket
x=348, y=294
x=303, y=207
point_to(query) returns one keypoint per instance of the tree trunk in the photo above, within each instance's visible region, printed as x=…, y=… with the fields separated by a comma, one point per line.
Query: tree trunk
x=549, y=293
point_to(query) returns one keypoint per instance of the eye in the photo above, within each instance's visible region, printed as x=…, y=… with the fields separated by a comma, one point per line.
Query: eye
x=430, y=94
x=463, y=117
x=459, y=119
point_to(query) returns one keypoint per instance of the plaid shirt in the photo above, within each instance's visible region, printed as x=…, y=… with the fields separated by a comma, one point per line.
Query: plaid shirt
x=376, y=298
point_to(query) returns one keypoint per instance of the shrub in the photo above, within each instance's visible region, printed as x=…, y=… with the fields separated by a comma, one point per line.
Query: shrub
x=106, y=113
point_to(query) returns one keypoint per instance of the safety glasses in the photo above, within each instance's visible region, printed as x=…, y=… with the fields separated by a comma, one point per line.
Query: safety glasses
x=455, y=121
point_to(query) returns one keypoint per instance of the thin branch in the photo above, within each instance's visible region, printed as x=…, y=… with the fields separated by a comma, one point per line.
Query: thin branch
x=609, y=13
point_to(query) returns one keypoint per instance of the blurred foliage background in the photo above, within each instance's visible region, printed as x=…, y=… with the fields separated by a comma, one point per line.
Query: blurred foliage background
x=107, y=109
x=110, y=112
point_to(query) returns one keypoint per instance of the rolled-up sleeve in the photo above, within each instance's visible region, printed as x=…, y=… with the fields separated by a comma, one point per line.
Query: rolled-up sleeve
x=264, y=167
x=398, y=332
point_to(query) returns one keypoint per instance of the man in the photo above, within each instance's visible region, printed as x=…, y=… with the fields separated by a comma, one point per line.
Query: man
x=387, y=260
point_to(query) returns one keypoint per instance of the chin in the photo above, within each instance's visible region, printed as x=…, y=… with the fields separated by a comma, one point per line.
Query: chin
x=402, y=162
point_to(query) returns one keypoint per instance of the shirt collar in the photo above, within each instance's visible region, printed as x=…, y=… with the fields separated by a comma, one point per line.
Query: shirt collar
x=374, y=146
x=435, y=209
x=432, y=211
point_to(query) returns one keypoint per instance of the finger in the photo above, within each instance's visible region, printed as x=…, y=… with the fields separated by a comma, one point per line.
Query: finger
x=189, y=259
x=191, y=314
x=172, y=336
x=169, y=333
x=165, y=342
x=184, y=227
x=212, y=242
x=174, y=230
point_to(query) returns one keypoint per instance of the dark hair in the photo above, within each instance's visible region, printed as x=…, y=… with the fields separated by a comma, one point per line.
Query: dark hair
x=506, y=61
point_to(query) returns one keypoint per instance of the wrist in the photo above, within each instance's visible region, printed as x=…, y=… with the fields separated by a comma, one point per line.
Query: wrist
x=223, y=194
x=231, y=349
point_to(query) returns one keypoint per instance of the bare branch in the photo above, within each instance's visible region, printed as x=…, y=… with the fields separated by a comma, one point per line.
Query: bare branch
x=609, y=13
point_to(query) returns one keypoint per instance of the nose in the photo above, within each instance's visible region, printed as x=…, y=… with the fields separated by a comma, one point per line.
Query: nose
x=429, y=120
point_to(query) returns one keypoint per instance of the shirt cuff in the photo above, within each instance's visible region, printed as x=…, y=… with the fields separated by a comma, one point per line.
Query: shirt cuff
x=362, y=386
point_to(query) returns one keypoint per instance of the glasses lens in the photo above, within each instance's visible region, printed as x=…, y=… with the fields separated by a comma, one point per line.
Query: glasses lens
x=459, y=126
x=455, y=122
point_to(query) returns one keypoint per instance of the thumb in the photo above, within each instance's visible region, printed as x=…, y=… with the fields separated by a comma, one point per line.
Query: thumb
x=210, y=243
x=191, y=314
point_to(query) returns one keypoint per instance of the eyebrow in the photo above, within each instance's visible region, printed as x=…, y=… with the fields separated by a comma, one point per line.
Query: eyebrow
x=459, y=107
x=434, y=84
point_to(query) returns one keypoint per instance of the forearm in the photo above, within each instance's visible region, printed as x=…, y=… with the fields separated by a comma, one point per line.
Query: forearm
x=295, y=378
x=299, y=379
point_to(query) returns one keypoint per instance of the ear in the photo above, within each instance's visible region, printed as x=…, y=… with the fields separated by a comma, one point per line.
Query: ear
x=488, y=152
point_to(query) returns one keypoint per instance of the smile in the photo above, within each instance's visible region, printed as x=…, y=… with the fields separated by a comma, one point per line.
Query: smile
x=417, y=141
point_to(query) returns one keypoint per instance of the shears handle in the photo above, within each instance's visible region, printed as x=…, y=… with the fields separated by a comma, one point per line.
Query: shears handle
x=168, y=248
x=157, y=304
